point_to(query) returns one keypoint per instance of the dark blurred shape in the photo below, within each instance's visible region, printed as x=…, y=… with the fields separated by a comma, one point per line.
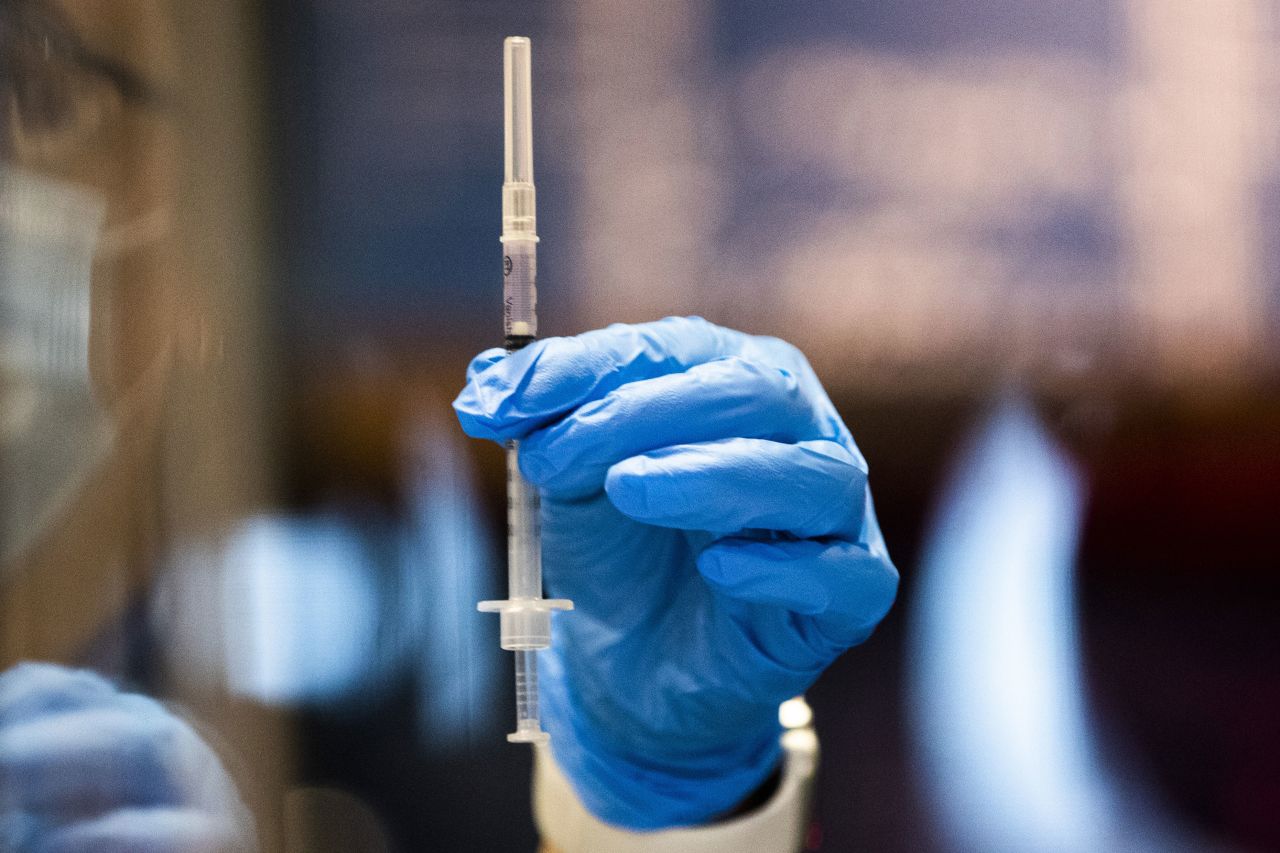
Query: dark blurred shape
x=45, y=67
x=324, y=820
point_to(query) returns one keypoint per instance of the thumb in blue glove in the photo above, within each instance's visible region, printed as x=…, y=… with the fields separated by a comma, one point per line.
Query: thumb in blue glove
x=708, y=512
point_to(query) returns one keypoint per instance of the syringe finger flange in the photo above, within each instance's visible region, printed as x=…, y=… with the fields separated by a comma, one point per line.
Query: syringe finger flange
x=525, y=622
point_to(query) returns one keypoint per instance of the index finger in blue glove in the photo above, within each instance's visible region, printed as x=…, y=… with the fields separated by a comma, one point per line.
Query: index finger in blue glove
x=812, y=488
x=509, y=397
x=726, y=398
x=29, y=690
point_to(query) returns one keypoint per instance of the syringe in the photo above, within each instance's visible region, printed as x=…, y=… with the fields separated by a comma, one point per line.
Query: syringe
x=525, y=614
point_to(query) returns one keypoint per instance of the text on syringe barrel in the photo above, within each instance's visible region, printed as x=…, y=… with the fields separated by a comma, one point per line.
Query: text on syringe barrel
x=520, y=288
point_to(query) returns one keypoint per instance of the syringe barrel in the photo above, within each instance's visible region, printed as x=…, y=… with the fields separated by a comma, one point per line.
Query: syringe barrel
x=523, y=627
x=524, y=527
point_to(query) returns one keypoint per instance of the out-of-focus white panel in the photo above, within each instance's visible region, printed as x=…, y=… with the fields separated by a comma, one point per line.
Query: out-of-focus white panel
x=1009, y=752
x=996, y=690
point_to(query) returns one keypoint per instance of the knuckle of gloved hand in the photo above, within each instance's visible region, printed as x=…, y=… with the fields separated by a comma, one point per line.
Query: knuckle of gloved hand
x=484, y=361
x=766, y=377
x=756, y=387
x=778, y=352
x=691, y=325
x=536, y=468
x=546, y=453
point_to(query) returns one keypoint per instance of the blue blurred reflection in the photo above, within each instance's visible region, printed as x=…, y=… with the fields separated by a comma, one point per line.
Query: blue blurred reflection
x=303, y=597
x=448, y=566
x=345, y=606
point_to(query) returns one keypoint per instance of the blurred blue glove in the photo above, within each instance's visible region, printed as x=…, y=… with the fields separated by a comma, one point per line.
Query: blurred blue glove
x=84, y=767
x=708, y=513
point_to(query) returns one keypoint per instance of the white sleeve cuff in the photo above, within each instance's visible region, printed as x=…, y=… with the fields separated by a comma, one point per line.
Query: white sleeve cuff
x=778, y=826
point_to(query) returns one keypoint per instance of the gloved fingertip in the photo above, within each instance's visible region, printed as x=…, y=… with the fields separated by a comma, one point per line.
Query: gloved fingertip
x=711, y=566
x=881, y=589
x=724, y=567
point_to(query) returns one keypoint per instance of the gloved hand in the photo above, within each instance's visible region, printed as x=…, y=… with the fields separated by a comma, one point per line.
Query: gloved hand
x=708, y=513
x=84, y=767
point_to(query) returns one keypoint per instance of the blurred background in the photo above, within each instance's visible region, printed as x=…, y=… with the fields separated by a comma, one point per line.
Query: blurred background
x=1029, y=248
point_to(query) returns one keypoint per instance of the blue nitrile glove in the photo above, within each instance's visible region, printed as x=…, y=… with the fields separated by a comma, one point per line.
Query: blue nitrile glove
x=708, y=513
x=84, y=767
